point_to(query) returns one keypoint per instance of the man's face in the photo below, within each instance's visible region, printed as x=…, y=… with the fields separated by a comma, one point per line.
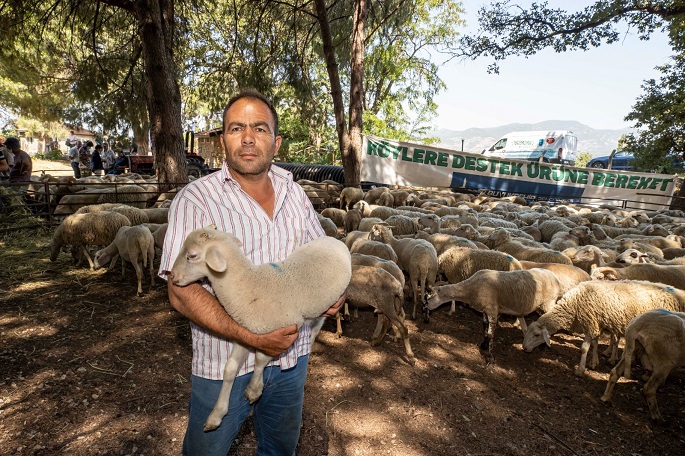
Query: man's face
x=248, y=141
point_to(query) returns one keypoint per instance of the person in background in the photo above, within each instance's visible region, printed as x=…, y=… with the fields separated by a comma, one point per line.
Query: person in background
x=72, y=139
x=84, y=155
x=74, y=159
x=271, y=215
x=108, y=157
x=120, y=163
x=5, y=153
x=96, y=161
x=23, y=165
x=134, y=149
x=3, y=162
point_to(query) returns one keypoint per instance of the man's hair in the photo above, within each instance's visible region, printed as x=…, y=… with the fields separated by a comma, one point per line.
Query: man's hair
x=256, y=95
x=98, y=147
x=12, y=143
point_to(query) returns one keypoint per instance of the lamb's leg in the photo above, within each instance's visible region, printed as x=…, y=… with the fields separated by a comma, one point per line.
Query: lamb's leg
x=338, y=319
x=87, y=255
x=316, y=328
x=583, y=355
x=113, y=262
x=613, y=378
x=405, y=337
x=523, y=325
x=139, y=275
x=453, y=308
x=489, y=325
x=256, y=386
x=595, y=358
x=649, y=390
x=233, y=364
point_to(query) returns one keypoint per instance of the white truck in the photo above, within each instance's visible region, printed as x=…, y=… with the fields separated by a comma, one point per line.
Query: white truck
x=556, y=146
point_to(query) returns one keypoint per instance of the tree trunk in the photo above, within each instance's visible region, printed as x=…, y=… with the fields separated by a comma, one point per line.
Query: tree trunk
x=156, y=30
x=141, y=138
x=352, y=156
x=351, y=176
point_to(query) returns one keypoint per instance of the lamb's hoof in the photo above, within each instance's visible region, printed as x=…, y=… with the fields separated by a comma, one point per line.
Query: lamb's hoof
x=605, y=398
x=580, y=372
x=212, y=423
x=253, y=394
x=411, y=360
x=139, y=294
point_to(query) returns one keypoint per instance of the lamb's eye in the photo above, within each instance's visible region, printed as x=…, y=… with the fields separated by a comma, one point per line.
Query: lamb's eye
x=191, y=256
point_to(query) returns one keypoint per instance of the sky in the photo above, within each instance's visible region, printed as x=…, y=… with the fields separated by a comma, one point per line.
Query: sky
x=597, y=87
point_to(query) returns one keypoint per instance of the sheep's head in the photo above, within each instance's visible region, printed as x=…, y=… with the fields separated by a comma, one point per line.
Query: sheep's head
x=536, y=334
x=202, y=253
x=604, y=273
x=632, y=256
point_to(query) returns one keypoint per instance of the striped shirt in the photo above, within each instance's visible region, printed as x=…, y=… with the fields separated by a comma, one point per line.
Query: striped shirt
x=218, y=199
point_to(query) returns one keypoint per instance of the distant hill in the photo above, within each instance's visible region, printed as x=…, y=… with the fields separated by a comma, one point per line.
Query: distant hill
x=597, y=142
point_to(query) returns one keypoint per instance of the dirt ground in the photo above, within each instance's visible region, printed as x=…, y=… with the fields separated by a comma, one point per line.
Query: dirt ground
x=88, y=368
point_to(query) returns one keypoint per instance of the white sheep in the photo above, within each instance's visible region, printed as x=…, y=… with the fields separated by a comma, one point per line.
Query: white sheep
x=353, y=218
x=328, y=226
x=501, y=240
x=516, y=293
x=657, y=338
x=314, y=275
x=336, y=215
x=377, y=288
x=349, y=196
x=673, y=275
x=82, y=230
x=594, y=307
x=416, y=257
x=375, y=248
x=134, y=244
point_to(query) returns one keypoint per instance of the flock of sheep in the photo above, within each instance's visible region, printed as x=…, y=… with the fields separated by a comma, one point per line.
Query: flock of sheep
x=587, y=270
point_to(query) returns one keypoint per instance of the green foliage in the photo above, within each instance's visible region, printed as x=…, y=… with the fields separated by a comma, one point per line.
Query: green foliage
x=583, y=158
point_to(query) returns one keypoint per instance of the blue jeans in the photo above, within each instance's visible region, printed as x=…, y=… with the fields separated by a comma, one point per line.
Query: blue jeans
x=77, y=170
x=277, y=413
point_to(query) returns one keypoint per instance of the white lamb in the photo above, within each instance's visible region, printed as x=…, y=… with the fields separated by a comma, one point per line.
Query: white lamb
x=516, y=293
x=657, y=338
x=262, y=298
x=594, y=307
x=135, y=244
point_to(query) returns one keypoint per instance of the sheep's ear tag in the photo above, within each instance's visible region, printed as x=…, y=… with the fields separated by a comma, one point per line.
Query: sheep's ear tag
x=545, y=336
x=214, y=259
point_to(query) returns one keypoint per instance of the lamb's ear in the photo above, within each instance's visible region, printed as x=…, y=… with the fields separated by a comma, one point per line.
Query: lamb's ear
x=214, y=259
x=545, y=337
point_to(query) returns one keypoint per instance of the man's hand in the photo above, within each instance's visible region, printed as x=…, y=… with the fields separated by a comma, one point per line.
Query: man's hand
x=335, y=308
x=275, y=342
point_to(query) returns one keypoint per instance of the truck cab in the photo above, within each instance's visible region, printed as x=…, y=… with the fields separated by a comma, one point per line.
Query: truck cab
x=555, y=146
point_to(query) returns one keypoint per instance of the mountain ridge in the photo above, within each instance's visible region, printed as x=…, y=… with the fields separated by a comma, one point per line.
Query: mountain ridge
x=595, y=141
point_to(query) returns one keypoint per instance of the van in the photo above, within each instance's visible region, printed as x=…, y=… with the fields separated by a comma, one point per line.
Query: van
x=557, y=146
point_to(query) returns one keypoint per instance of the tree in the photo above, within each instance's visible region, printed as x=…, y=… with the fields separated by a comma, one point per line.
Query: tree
x=156, y=36
x=582, y=159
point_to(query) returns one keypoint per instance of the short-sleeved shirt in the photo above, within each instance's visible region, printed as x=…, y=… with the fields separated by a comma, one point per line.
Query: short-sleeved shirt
x=218, y=199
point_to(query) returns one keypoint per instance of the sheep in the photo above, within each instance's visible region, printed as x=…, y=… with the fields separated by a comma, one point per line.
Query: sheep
x=375, y=287
x=649, y=249
x=550, y=227
x=134, y=244
x=386, y=199
x=367, y=223
x=336, y=215
x=373, y=194
x=588, y=257
x=632, y=256
x=444, y=242
x=81, y=230
x=402, y=225
x=131, y=195
x=135, y=215
x=568, y=275
x=580, y=235
x=657, y=338
x=501, y=240
x=315, y=274
x=353, y=218
x=375, y=248
x=354, y=236
x=364, y=207
x=662, y=242
x=673, y=275
x=328, y=226
x=594, y=307
x=516, y=293
x=157, y=214
x=416, y=257
x=159, y=234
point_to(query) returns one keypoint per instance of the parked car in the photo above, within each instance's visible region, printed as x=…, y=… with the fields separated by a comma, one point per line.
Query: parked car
x=623, y=162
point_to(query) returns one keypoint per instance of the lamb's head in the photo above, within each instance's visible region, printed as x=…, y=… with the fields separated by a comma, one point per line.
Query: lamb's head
x=497, y=237
x=632, y=256
x=101, y=258
x=381, y=232
x=203, y=252
x=537, y=334
x=430, y=223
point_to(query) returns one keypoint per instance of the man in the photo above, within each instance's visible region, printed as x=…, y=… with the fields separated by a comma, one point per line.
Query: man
x=72, y=139
x=3, y=161
x=120, y=164
x=271, y=215
x=23, y=165
x=108, y=157
x=74, y=159
x=84, y=155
